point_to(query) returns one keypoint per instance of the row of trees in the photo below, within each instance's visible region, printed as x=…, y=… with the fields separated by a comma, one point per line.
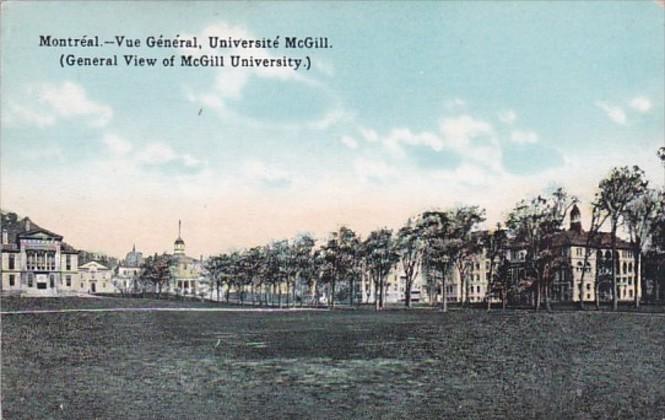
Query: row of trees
x=437, y=243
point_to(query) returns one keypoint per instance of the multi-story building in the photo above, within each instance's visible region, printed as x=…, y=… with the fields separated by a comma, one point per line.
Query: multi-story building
x=574, y=246
x=36, y=261
x=578, y=260
x=569, y=279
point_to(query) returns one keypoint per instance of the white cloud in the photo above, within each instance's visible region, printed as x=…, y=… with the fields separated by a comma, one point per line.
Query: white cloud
x=459, y=131
x=349, y=142
x=70, y=100
x=373, y=170
x=190, y=160
x=615, y=113
x=507, y=117
x=641, y=104
x=523, y=137
x=257, y=170
x=19, y=114
x=117, y=145
x=369, y=135
x=157, y=153
x=455, y=103
x=405, y=136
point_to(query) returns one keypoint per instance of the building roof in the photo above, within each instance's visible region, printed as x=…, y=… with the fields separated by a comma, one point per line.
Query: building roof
x=92, y=264
x=574, y=238
x=18, y=228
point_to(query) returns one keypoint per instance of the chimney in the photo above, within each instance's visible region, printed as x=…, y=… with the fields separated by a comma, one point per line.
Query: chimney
x=5, y=237
x=27, y=225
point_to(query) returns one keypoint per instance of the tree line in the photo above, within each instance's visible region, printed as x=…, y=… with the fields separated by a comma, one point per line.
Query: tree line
x=346, y=267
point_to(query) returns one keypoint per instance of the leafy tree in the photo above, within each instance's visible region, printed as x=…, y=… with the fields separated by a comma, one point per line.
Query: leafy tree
x=462, y=246
x=495, y=244
x=381, y=257
x=533, y=223
x=339, y=255
x=622, y=186
x=435, y=229
x=156, y=271
x=409, y=248
x=306, y=268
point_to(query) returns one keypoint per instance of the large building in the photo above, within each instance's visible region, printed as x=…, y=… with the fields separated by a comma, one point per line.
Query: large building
x=187, y=273
x=97, y=278
x=36, y=261
x=571, y=281
x=572, y=245
x=126, y=274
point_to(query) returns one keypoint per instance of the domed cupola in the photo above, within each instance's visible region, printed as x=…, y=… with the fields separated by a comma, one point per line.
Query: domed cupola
x=179, y=244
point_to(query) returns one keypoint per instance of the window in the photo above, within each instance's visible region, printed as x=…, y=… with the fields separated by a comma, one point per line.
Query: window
x=104, y=285
x=68, y=262
x=630, y=293
x=588, y=296
x=68, y=280
x=477, y=289
x=81, y=285
x=588, y=286
x=578, y=252
x=630, y=281
x=52, y=280
x=11, y=280
x=30, y=280
x=12, y=261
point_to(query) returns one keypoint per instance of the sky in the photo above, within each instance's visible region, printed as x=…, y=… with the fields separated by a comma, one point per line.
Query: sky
x=416, y=106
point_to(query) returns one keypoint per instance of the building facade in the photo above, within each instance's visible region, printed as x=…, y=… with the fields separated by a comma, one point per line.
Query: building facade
x=187, y=273
x=97, y=278
x=36, y=261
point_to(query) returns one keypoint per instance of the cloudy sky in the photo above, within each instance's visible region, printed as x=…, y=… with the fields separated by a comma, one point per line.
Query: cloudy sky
x=416, y=106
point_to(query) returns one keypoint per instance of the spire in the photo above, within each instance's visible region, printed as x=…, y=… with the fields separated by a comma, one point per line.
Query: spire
x=134, y=247
x=179, y=245
x=576, y=219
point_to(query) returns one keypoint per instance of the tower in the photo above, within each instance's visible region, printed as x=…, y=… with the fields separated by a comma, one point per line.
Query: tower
x=179, y=244
x=575, y=219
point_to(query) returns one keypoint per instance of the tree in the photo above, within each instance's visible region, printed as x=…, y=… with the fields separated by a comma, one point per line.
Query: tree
x=462, y=245
x=621, y=186
x=339, y=254
x=156, y=271
x=381, y=257
x=641, y=217
x=306, y=267
x=409, y=247
x=592, y=244
x=533, y=224
x=349, y=248
x=495, y=243
x=435, y=232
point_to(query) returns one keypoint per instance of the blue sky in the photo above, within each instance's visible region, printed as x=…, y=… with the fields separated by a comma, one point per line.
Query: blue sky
x=417, y=105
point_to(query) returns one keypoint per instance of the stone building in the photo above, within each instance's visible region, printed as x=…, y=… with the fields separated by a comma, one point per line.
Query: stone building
x=36, y=261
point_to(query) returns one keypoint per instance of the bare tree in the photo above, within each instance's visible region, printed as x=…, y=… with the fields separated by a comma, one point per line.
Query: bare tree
x=641, y=216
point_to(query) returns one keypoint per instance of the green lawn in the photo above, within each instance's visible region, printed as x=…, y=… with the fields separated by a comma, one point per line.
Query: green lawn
x=342, y=364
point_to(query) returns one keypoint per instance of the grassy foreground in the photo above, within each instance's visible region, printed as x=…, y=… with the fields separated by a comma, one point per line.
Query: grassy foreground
x=397, y=364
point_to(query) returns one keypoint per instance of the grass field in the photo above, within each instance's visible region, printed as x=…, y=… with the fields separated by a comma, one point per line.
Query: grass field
x=342, y=364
